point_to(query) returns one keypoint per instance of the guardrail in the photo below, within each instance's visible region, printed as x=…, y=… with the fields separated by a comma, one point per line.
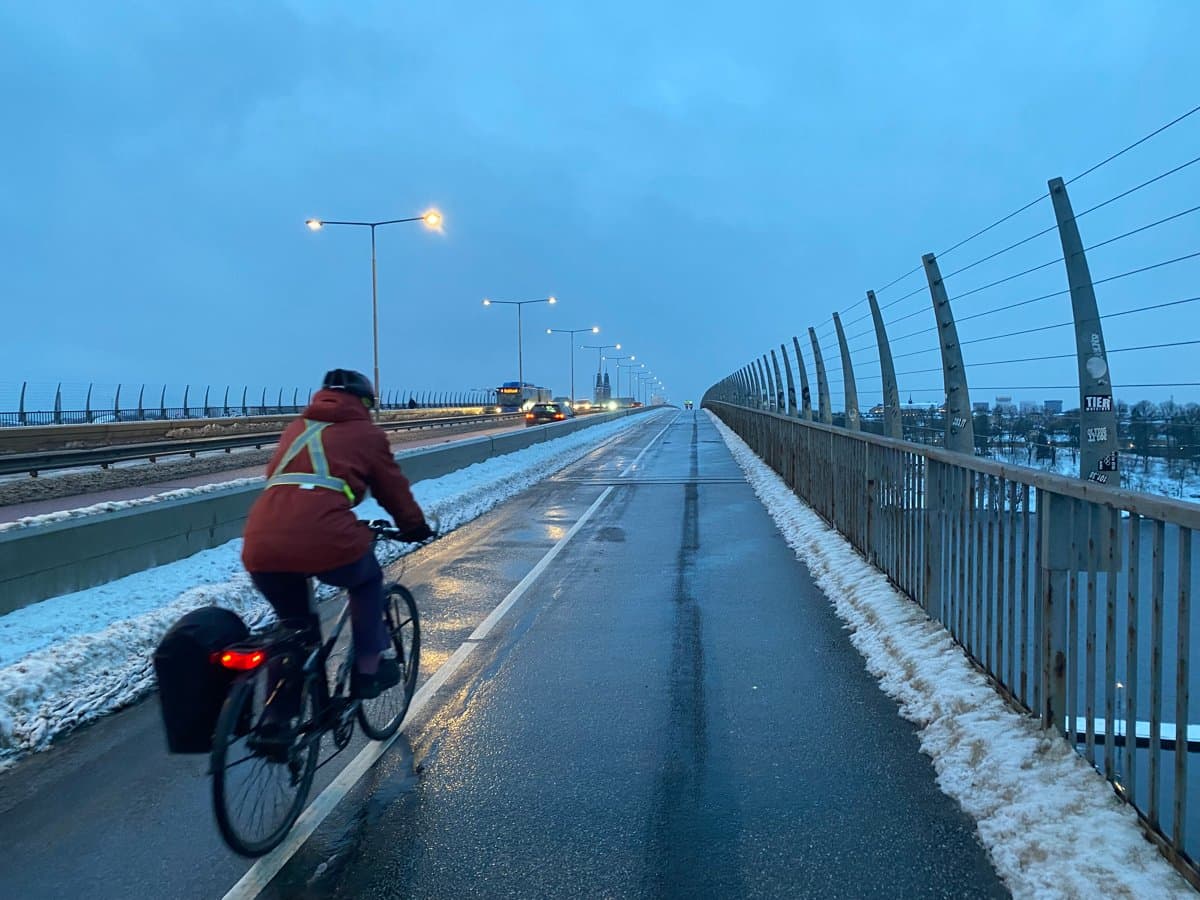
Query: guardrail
x=102, y=403
x=49, y=560
x=1074, y=597
x=48, y=460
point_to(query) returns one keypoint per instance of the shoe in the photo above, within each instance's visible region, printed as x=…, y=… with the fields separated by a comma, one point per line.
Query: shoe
x=272, y=740
x=368, y=687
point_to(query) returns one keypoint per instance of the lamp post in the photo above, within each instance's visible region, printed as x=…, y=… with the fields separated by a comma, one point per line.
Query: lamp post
x=599, y=356
x=616, y=361
x=595, y=329
x=628, y=365
x=661, y=388
x=431, y=218
x=520, y=357
x=643, y=380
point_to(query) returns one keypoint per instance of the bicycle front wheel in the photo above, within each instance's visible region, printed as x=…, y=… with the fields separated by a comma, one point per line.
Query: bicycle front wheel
x=259, y=791
x=381, y=716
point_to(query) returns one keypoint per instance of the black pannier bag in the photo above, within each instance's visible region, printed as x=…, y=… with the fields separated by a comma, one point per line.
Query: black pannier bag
x=191, y=684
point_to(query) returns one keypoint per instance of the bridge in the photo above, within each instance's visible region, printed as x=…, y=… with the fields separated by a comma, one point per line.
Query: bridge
x=781, y=646
x=637, y=680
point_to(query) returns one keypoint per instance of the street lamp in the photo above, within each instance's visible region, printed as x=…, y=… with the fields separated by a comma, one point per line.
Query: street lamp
x=520, y=358
x=643, y=380
x=595, y=329
x=662, y=390
x=628, y=365
x=431, y=218
x=616, y=361
x=600, y=357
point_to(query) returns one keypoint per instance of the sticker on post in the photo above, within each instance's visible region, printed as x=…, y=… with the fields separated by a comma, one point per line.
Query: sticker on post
x=1097, y=435
x=1098, y=477
x=1108, y=463
x=1097, y=403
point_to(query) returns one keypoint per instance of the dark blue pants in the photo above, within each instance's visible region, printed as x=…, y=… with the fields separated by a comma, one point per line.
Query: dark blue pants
x=287, y=592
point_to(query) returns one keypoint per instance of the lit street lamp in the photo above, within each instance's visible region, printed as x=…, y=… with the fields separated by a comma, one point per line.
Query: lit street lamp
x=595, y=329
x=601, y=348
x=644, y=379
x=432, y=219
x=619, y=366
x=600, y=355
x=656, y=386
x=520, y=358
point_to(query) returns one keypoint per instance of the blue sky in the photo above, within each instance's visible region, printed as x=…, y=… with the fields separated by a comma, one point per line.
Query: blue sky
x=702, y=181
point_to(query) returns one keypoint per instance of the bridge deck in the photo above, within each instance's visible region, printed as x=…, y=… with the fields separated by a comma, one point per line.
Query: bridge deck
x=671, y=709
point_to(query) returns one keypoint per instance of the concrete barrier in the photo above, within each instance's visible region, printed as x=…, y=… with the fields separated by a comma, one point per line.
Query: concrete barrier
x=61, y=557
x=34, y=438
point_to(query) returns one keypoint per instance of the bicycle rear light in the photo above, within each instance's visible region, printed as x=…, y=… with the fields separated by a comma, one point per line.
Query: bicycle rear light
x=241, y=660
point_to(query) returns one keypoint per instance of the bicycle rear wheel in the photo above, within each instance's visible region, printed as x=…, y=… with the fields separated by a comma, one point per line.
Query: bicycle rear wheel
x=381, y=716
x=258, y=797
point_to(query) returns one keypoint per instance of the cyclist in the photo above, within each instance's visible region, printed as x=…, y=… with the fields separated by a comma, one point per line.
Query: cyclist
x=302, y=525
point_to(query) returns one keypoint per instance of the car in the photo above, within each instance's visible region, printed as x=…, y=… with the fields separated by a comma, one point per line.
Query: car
x=541, y=413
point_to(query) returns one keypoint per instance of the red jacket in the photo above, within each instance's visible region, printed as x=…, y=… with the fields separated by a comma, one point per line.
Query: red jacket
x=297, y=529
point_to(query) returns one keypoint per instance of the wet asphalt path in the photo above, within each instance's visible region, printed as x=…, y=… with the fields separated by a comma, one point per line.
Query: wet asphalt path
x=108, y=813
x=672, y=709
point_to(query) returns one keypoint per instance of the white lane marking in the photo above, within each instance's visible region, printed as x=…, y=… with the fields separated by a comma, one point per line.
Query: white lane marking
x=633, y=465
x=267, y=867
x=519, y=591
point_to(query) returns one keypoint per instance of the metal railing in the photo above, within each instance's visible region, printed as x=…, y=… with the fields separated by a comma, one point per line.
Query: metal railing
x=1074, y=597
x=105, y=405
x=105, y=455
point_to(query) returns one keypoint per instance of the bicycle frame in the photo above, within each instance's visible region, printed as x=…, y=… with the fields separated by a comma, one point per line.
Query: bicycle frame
x=320, y=655
x=297, y=651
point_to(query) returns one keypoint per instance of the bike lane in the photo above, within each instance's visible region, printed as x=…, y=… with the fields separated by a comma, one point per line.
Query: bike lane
x=673, y=709
x=107, y=812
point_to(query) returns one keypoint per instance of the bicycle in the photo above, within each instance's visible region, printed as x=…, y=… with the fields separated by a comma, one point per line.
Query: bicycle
x=280, y=772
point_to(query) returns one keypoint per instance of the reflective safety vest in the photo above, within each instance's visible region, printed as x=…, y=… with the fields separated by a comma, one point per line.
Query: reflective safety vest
x=310, y=440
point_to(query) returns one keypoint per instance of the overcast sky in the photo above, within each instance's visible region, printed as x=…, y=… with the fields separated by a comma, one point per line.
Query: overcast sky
x=701, y=180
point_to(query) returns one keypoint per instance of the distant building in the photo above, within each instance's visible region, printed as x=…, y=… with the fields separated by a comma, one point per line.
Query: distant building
x=1030, y=407
x=980, y=407
x=1005, y=405
x=1053, y=407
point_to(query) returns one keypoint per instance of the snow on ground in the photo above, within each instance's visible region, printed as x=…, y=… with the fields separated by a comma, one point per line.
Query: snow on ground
x=71, y=659
x=114, y=505
x=1167, y=478
x=1051, y=823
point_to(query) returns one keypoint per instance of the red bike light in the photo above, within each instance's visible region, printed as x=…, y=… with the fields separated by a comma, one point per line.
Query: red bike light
x=241, y=660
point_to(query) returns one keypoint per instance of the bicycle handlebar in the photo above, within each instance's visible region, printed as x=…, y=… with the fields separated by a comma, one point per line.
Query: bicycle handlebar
x=383, y=530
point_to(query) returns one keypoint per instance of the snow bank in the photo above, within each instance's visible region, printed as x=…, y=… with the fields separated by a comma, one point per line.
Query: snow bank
x=114, y=505
x=1051, y=823
x=71, y=659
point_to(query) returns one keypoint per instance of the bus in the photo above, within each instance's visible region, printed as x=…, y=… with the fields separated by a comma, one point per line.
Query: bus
x=513, y=396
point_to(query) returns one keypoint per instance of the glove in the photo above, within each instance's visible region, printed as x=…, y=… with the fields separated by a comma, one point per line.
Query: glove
x=420, y=533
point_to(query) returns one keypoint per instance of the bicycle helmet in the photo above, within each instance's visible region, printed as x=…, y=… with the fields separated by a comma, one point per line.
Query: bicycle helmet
x=351, y=382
